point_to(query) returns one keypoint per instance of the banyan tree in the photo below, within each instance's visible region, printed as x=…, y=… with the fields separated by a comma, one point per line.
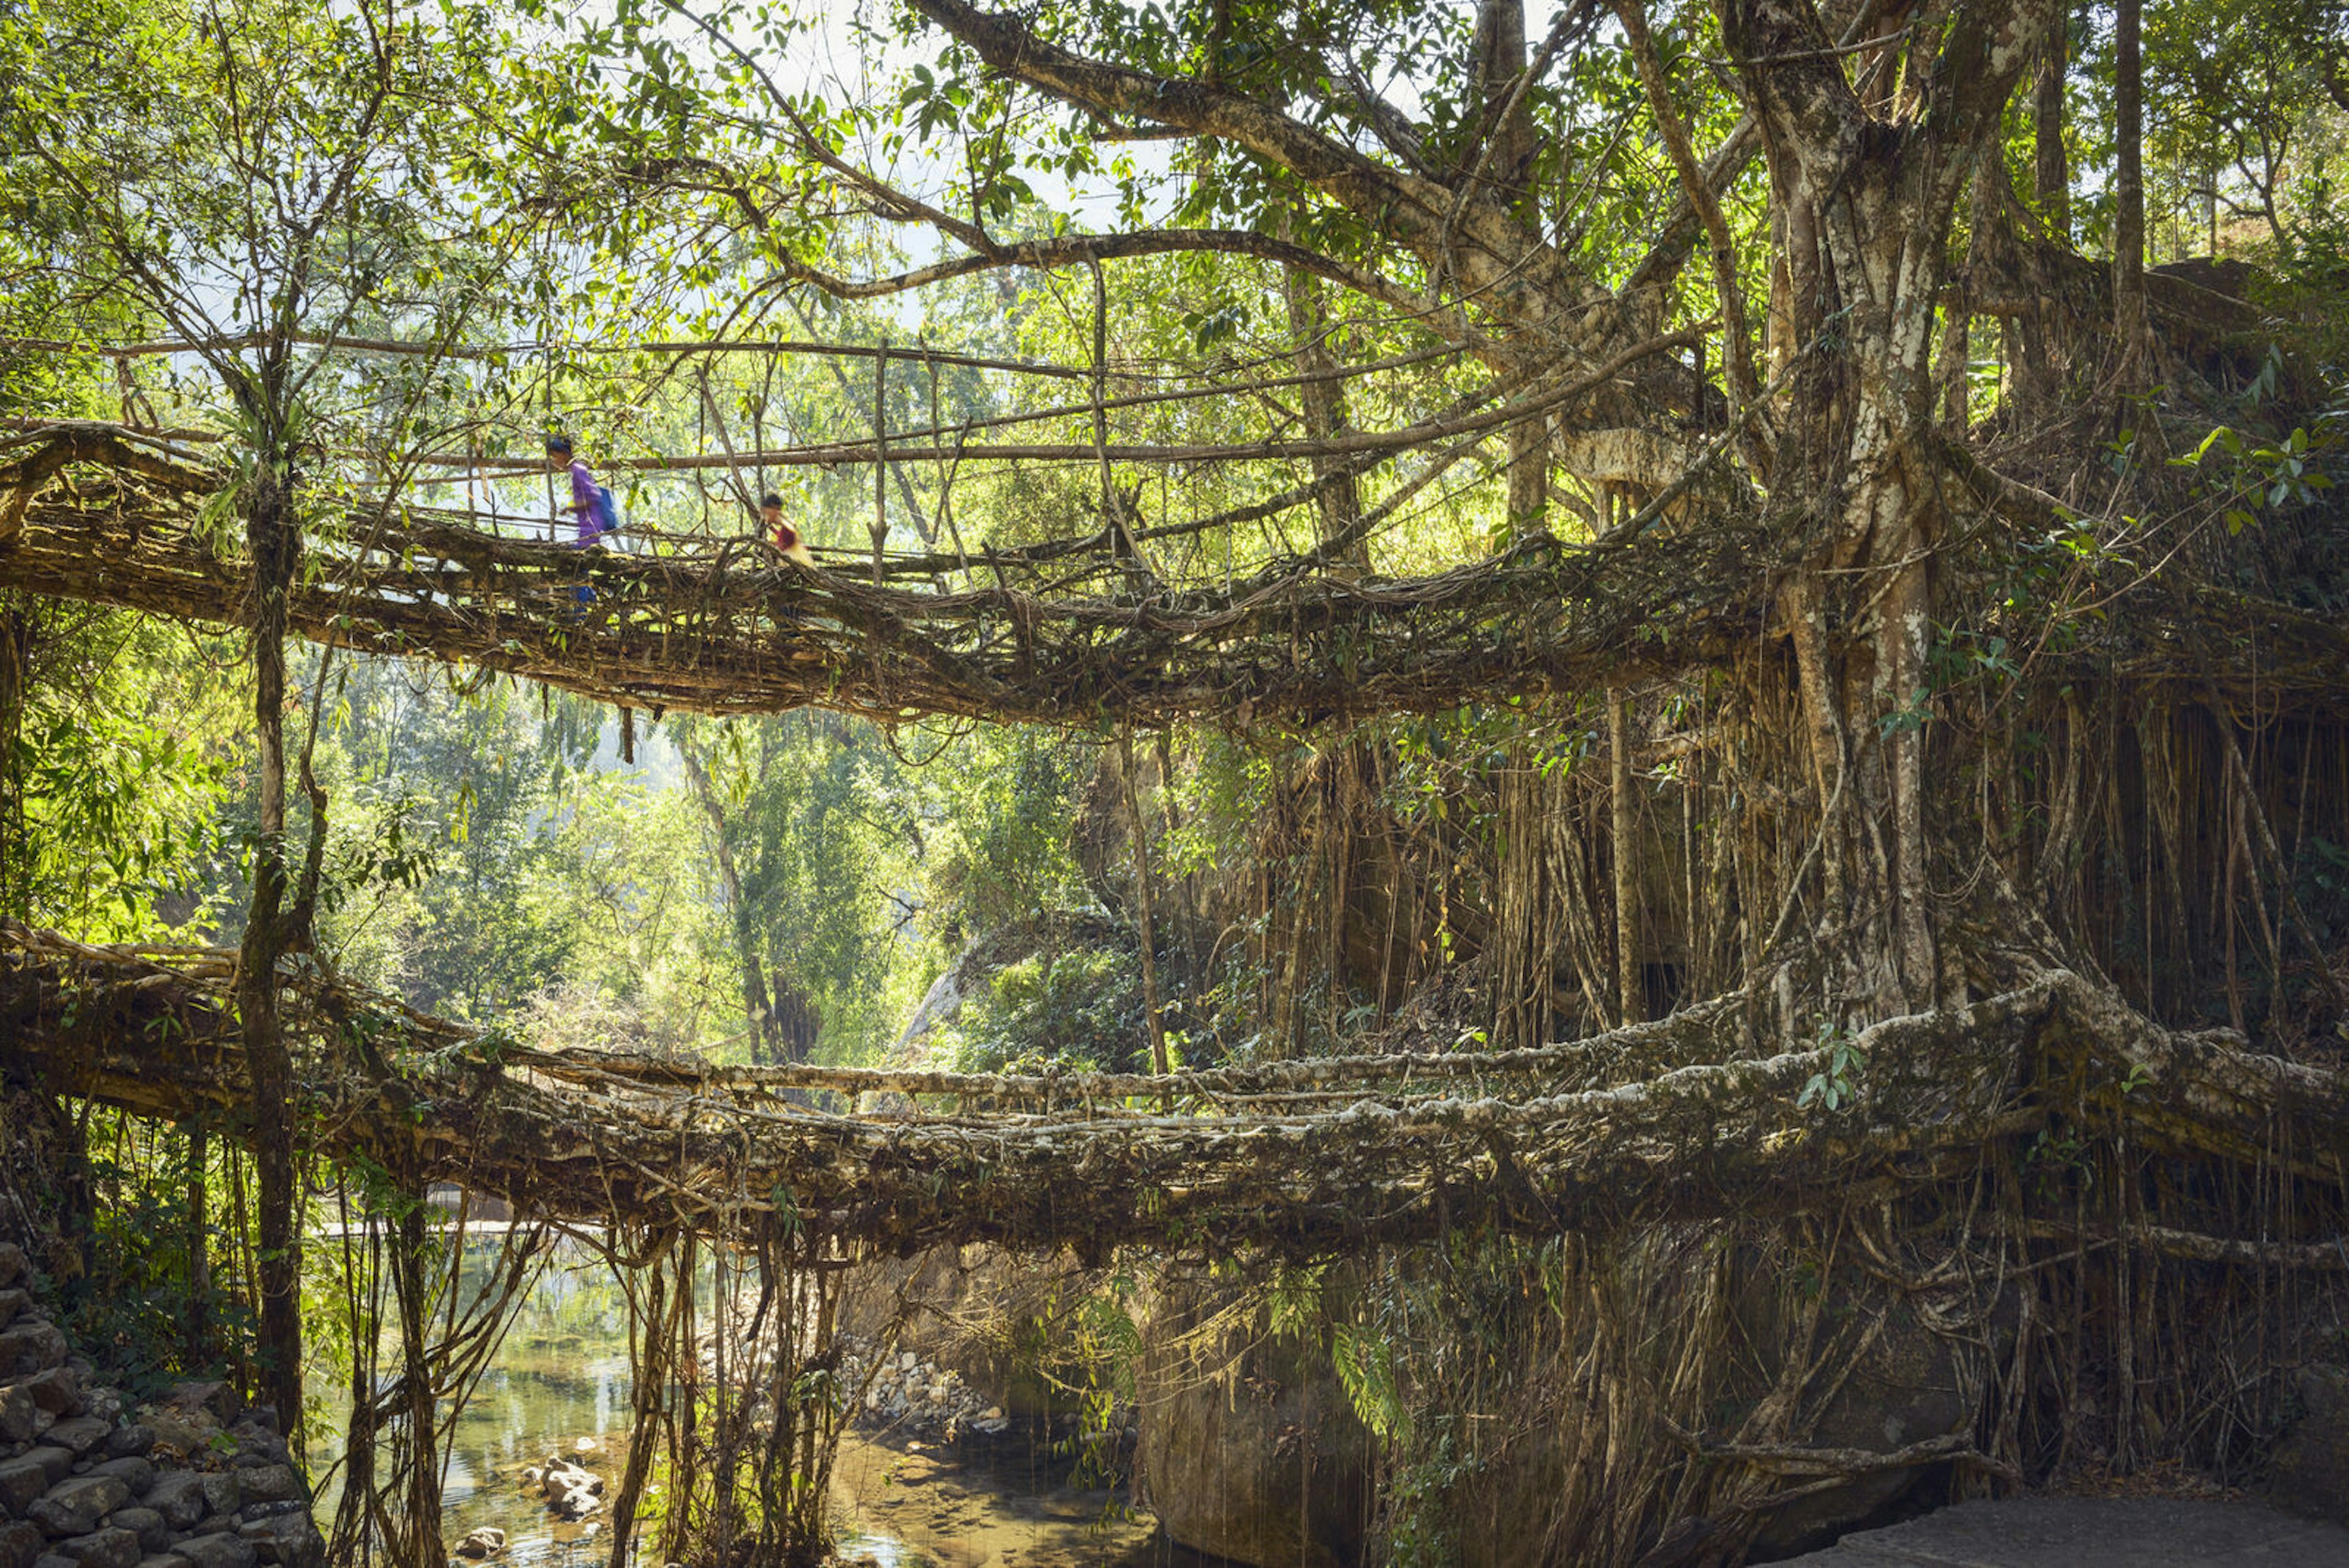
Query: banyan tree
x=1899, y=672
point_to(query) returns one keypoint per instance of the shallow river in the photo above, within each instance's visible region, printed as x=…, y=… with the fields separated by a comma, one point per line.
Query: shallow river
x=900, y=1501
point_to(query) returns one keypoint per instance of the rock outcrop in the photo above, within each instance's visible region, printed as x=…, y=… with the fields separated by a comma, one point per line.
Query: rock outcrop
x=2309, y=1472
x=1249, y=1448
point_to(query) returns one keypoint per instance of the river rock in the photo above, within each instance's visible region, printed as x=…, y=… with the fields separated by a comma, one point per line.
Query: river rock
x=216, y=1552
x=179, y=1497
x=486, y=1542
x=57, y=1390
x=562, y=1473
x=174, y=1436
x=22, y=1480
x=289, y=1540
x=75, y=1506
x=129, y=1442
x=77, y=1435
x=136, y=1473
x=14, y=1303
x=270, y=1483
x=21, y=1418
x=224, y=1493
x=21, y=1541
x=215, y=1401
x=145, y=1523
x=99, y=1549
x=31, y=1345
x=11, y=1264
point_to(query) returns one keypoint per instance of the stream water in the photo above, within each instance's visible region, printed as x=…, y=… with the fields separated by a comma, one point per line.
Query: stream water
x=562, y=1374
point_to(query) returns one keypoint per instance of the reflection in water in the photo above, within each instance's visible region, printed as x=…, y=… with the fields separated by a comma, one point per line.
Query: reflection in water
x=562, y=1374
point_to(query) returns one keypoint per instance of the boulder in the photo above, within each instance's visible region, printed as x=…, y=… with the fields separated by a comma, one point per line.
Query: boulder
x=31, y=1345
x=562, y=1475
x=20, y=1542
x=163, y=1559
x=216, y=1552
x=13, y=1270
x=270, y=1483
x=175, y=1435
x=129, y=1442
x=1250, y=1448
x=57, y=1390
x=14, y=1303
x=20, y=1416
x=486, y=1542
x=290, y=1539
x=571, y=1490
x=179, y=1497
x=147, y=1524
x=277, y=1509
x=99, y=1549
x=224, y=1493
x=255, y=1441
x=136, y=1473
x=22, y=1480
x=2309, y=1472
x=75, y=1506
x=215, y=1402
x=77, y=1435
x=1904, y=1386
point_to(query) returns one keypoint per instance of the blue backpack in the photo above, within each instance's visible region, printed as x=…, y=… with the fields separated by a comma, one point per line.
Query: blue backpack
x=608, y=518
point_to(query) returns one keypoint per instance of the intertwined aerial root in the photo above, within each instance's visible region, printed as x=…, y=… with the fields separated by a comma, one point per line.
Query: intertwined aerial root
x=1690, y=1117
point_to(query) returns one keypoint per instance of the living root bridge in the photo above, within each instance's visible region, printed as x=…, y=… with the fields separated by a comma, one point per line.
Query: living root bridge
x=725, y=626
x=107, y=515
x=1299, y=1158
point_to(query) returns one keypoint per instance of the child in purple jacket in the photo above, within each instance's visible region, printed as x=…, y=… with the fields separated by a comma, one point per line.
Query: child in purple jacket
x=587, y=496
x=586, y=502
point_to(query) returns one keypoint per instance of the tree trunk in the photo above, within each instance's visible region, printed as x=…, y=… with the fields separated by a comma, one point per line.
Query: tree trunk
x=1631, y=992
x=1507, y=153
x=2051, y=167
x=1323, y=403
x=1868, y=218
x=1159, y=1061
x=198, y=1244
x=2128, y=182
x=275, y=546
x=15, y=859
x=425, y=1546
x=757, y=1008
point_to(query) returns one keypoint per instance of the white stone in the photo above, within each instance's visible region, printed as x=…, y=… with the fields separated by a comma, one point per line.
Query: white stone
x=486, y=1542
